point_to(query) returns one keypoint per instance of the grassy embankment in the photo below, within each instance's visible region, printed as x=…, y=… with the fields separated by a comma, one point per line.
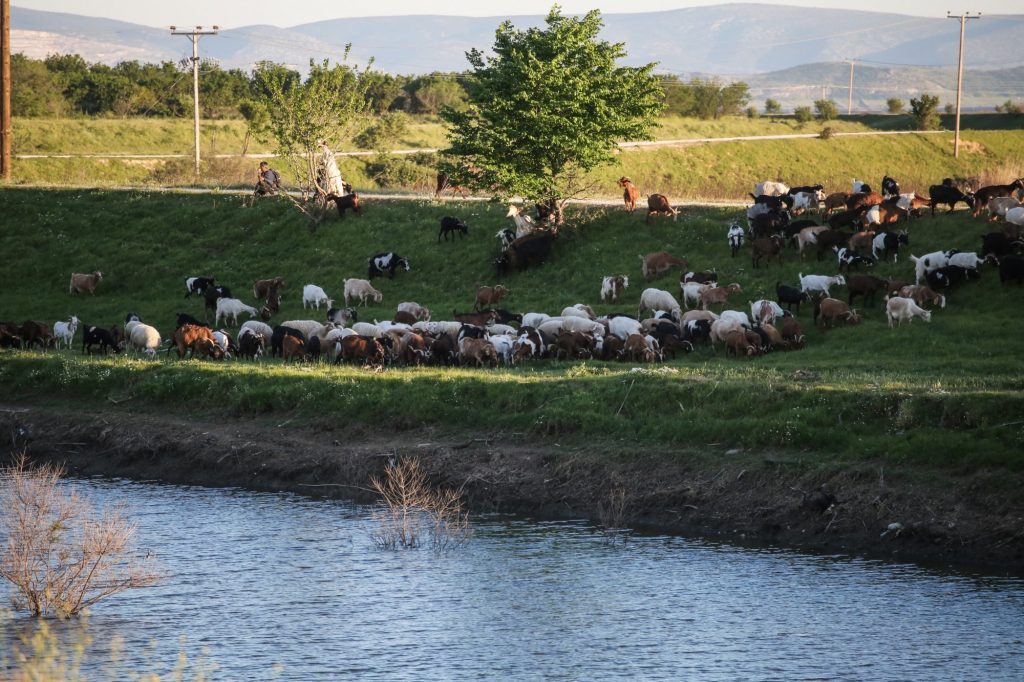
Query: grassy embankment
x=713, y=171
x=947, y=393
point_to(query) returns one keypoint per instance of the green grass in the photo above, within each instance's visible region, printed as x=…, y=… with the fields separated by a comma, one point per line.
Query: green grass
x=947, y=393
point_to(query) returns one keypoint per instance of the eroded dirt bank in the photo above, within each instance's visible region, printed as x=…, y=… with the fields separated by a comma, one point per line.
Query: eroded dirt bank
x=973, y=519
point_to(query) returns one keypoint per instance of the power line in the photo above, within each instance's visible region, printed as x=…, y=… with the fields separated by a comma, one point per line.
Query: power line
x=960, y=76
x=194, y=36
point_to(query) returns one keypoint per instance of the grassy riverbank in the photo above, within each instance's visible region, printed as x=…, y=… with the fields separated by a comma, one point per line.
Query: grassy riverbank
x=945, y=394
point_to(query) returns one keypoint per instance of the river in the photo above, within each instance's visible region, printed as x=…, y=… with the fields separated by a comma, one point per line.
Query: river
x=279, y=586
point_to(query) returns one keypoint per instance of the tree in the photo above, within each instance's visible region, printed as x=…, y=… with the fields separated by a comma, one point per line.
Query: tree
x=58, y=553
x=430, y=94
x=35, y=90
x=802, y=115
x=297, y=116
x=549, y=106
x=772, y=106
x=949, y=109
x=924, y=111
x=752, y=112
x=826, y=110
x=895, y=105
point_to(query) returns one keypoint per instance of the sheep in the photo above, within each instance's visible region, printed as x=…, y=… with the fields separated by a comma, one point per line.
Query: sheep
x=899, y=309
x=770, y=188
x=1015, y=216
x=579, y=310
x=831, y=309
x=656, y=299
x=695, y=315
x=231, y=307
x=414, y=309
x=535, y=319
x=581, y=324
x=309, y=328
x=718, y=295
x=314, y=295
x=84, y=284
x=719, y=329
x=259, y=328
x=65, y=331
x=361, y=289
x=811, y=283
x=143, y=337
x=737, y=316
x=922, y=294
x=622, y=327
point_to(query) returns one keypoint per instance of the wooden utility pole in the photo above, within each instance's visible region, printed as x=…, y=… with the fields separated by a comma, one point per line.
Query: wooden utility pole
x=5, y=89
x=194, y=35
x=849, y=91
x=960, y=76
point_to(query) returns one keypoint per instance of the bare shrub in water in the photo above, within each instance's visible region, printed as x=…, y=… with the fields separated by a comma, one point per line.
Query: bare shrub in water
x=413, y=513
x=611, y=516
x=59, y=553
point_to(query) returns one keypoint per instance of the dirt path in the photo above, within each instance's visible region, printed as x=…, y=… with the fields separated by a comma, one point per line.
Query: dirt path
x=790, y=500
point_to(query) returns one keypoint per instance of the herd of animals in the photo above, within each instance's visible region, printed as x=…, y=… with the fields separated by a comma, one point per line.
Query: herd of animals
x=854, y=229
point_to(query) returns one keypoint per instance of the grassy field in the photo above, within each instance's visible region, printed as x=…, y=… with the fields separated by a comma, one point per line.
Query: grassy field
x=947, y=393
x=685, y=172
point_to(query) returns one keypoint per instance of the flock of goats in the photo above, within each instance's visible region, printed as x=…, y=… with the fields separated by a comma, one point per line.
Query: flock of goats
x=859, y=228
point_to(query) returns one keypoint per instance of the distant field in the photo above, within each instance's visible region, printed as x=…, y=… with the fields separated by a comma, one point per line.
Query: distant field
x=687, y=172
x=948, y=393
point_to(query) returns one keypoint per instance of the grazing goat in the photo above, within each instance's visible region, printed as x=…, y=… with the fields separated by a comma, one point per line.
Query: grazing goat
x=865, y=286
x=84, y=284
x=198, y=285
x=92, y=336
x=660, y=262
x=986, y=194
x=629, y=193
x=386, y=262
x=312, y=295
x=658, y=204
x=361, y=289
x=811, y=283
x=922, y=294
x=888, y=242
x=790, y=296
x=904, y=310
x=454, y=225
x=489, y=296
x=832, y=309
x=718, y=295
x=949, y=195
x=231, y=307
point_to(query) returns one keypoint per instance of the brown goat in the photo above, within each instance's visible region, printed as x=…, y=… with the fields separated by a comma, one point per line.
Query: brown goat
x=831, y=309
x=84, y=284
x=863, y=200
x=923, y=294
x=660, y=262
x=658, y=204
x=261, y=288
x=861, y=241
x=736, y=341
x=629, y=193
x=718, y=295
x=866, y=286
x=488, y=296
x=835, y=200
x=793, y=332
x=767, y=248
x=197, y=339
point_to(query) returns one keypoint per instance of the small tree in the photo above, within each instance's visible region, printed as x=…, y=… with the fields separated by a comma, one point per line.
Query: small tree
x=547, y=108
x=412, y=512
x=1011, y=107
x=826, y=110
x=949, y=109
x=59, y=554
x=894, y=105
x=924, y=111
x=297, y=116
x=752, y=112
x=772, y=107
x=803, y=115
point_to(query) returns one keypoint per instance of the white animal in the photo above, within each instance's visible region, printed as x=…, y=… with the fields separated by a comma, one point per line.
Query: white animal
x=809, y=235
x=65, y=331
x=966, y=259
x=222, y=340
x=807, y=201
x=367, y=329
x=810, y=283
x=1015, y=216
x=770, y=188
x=904, y=309
x=691, y=292
x=524, y=223
x=309, y=328
x=735, y=236
x=257, y=327
x=694, y=315
x=622, y=327
x=145, y=338
x=858, y=186
x=766, y=311
x=582, y=324
x=998, y=206
x=736, y=315
x=929, y=262
x=361, y=289
x=414, y=309
x=657, y=299
x=497, y=329
x=503, y=345
x=579, y=310
x=719, y=328
x=535, y=319
x=872, y=217
x=612, y=286
x=314, y=295
x=231, y=307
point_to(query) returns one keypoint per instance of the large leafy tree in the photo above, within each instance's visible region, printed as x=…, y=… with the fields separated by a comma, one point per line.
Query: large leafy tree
x=547, y=107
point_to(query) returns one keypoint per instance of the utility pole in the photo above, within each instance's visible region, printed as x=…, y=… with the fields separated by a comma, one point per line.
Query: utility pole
x=849, y=92
x=960, y=76
x=5, y=89
x=193, y=35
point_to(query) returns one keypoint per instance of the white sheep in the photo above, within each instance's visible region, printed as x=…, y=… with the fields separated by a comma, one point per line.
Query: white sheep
x=309, y=328
x=904, y=309
x=361, y=289
x=579, y=310
x=770, y=188
x=497, y=329
x=312, y=295
x=1015, y=216
x=367, y=329
x=231, y=307
x=622, y=327
x=657, y=299
x=737, y=315
x=414, y=309
x=535, y=319
x=143, y=337
x=582, y=324
x=65, y=331
x=261, y=328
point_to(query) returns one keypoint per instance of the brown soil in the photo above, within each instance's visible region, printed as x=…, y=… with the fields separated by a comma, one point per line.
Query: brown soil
x=972, y=519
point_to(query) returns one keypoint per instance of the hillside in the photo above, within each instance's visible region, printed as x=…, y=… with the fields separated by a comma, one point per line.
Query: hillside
x=908, y=394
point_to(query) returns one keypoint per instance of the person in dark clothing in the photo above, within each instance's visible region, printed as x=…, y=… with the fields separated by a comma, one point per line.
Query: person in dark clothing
x=268, y=180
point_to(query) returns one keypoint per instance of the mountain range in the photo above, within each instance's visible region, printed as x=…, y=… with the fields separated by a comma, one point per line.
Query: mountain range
x=733, y=41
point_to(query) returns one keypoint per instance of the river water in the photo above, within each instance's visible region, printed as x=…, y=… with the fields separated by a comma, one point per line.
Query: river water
x=278, y=586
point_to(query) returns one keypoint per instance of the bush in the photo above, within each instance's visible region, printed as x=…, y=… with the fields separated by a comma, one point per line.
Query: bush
x=1011, y=107
x=924, y=112
x=752, y=112
x=826, y=110
x=827, y=133
x=803, y=115
x=60, y=556
x=949, y=109
x=388, y=170
x=412, y=512
x=895, y=105
x=772, y=106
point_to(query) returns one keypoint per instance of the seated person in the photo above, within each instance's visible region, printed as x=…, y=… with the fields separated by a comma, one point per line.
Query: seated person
x=268, y=180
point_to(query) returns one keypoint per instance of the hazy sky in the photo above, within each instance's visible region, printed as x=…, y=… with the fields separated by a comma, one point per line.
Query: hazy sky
x=231, y=13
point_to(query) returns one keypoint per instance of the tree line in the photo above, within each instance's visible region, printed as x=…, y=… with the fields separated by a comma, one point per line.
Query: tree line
x=67, y=85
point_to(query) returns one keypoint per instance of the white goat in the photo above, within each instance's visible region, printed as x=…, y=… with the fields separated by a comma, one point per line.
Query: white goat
x=770, y=188
x=904, y=310
x=691, y=292
x=524, y=223
x=361, y=289
x=414, y=309
x=65, y=331
x=810, y=283
x=231, y=307
x=312, y=295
